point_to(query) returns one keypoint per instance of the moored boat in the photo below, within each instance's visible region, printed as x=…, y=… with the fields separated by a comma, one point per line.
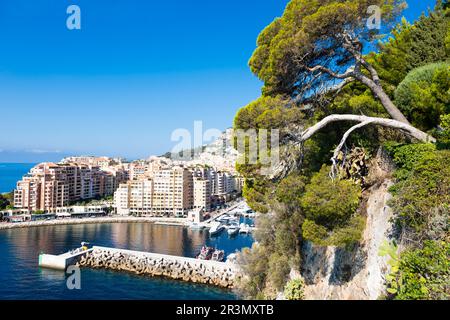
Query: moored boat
x=216, y=228
x=244, y=228
x=218, y=255
x=205, y=253
x=233, y=229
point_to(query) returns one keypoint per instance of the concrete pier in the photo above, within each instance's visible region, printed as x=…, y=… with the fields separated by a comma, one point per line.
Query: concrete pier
x=221, y=274
x=62, y=261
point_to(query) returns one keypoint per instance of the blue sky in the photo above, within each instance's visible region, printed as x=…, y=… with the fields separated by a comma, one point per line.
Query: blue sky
x=136, y=71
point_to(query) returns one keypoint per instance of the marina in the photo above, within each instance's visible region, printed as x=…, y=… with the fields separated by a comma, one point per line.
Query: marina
x=21, y=248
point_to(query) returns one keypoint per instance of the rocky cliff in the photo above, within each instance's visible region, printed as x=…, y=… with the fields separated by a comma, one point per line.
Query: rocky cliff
x=357, y=273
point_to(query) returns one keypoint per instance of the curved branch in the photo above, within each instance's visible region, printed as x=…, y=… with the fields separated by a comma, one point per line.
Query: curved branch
x=285, y=166
x=338, y=149
x=390, y=123
x=345, y=137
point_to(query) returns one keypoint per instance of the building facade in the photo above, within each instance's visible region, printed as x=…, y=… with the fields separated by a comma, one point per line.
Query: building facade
x=52, y=185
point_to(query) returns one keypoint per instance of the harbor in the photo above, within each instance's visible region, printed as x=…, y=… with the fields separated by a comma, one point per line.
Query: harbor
x=209, y=266
x=229, y=220
x=106, y=283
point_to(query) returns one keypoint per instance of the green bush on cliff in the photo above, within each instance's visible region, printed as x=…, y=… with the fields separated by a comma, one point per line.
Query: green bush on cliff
x=421, y=196
x=424, y=273
x=424, y=95
x=294, y=290
x=443, y=135
x=330, y=208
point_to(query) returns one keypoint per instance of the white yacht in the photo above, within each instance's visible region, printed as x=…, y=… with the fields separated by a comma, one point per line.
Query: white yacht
x=233, y=229
x=244, y=228
x=216, y=228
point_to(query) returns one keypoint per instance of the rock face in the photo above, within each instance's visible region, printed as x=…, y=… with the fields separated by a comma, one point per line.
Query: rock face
x=334, y=273
x=179, y=268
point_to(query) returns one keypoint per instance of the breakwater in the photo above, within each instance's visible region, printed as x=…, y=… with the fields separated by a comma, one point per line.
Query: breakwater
x=222, y=274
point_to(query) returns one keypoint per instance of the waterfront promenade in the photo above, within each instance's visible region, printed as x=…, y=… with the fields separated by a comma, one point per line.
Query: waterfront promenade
x=115, y=219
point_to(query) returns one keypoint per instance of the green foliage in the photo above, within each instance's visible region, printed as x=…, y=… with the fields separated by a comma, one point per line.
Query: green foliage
x=294, y=290
x=412, y=46
x=267, y=113
x=392, y=279
x=290, y=190
x=422, y=273
x=254, y=266
x=443, y=135
x=279, y=269
x=254, y=193
x=406, y=156
x=330, y=207
x=6, y=200
x=310, y=31
x=424, y=95
x=421, y=199
x=330, y=202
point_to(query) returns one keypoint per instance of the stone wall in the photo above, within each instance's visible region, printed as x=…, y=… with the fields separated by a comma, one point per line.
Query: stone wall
x=180, y=268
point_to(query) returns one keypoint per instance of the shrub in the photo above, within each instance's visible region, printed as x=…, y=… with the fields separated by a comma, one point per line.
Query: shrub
x=330, y=202
x=424, y=273
x=443, y=135
x=424, y=95
x=279, y=269
x=330, y=207
x=422, y=193
x=294, y=290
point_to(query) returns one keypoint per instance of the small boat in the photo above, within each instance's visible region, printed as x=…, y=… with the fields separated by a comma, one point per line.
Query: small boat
x=244, y=228
x=218, y=255
x=223, y=218
x=216, y=228
x=205, y=253
x=233, y=230
x=233, y=220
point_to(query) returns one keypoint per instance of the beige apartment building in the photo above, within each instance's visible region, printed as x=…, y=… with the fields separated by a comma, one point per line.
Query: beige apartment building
x=202, y=194
x=49, y=186
x=173, y=191
x=169, y=192
x=134, y=198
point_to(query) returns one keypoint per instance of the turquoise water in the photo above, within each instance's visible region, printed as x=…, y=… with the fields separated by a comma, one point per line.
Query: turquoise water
x=10, y=173
x=21, y=278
